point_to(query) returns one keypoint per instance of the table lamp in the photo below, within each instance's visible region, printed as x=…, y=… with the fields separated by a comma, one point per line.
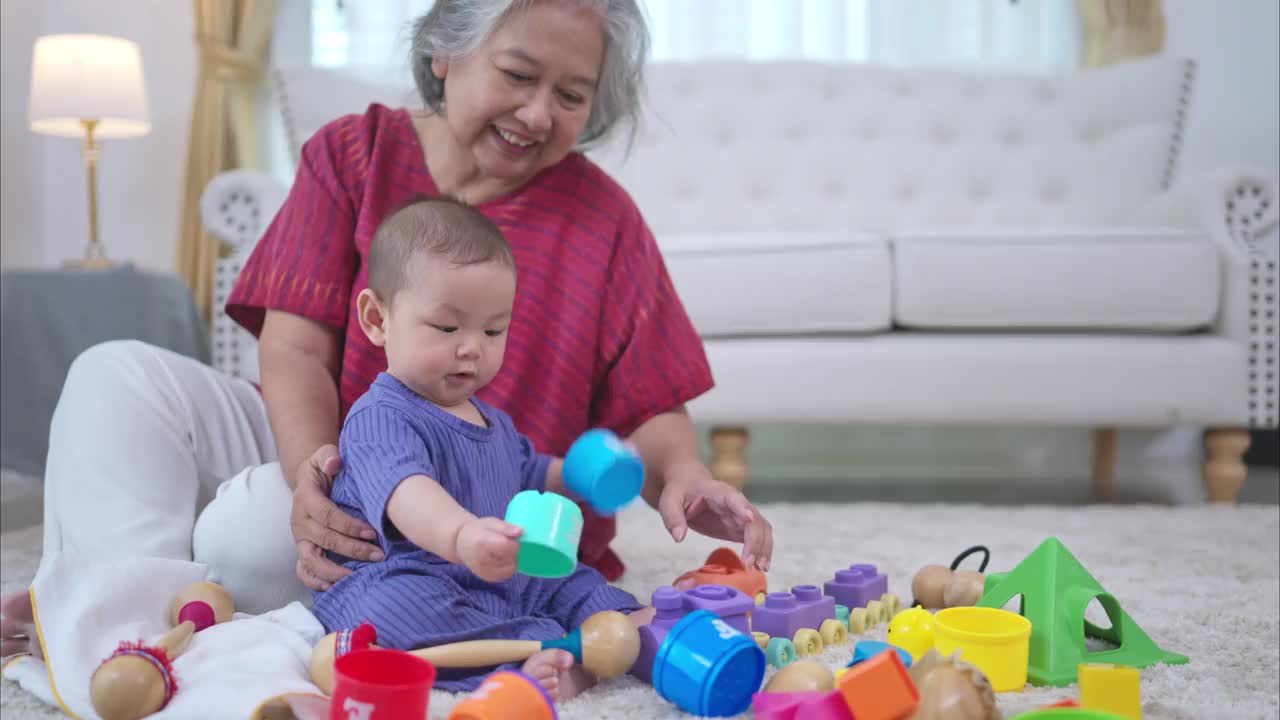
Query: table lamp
x=90, y=87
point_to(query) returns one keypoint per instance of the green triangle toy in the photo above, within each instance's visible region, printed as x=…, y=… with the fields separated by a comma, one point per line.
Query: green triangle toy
x=1056, y=589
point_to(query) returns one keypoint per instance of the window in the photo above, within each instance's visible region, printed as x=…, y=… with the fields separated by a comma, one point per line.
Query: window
x=1041, y=35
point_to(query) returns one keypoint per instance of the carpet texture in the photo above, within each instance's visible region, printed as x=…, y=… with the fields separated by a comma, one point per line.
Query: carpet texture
x=1202, y=581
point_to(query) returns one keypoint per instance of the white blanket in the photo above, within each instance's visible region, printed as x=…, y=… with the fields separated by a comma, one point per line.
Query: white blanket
x=85, y=606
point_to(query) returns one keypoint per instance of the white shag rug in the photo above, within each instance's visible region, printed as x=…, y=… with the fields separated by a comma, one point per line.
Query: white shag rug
x=1201, y=581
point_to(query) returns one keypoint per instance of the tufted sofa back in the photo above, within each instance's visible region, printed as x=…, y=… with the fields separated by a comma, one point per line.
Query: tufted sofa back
x=735, y=146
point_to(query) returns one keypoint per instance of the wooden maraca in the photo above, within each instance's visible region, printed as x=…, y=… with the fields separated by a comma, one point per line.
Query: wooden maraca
x=607, y=644
x=137, y=679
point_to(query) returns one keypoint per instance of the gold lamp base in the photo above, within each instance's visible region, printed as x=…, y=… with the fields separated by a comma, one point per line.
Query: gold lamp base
x=95, y=256
x=89, y=263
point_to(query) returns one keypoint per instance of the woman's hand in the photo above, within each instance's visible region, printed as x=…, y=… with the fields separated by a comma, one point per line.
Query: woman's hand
x=318, y=524
x=692, y=498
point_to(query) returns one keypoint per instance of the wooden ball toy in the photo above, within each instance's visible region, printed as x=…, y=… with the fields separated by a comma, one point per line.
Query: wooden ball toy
x=137, y=680
x=928, y=584
x=936, y=587
x=802, y=676
x=607, y=644
x=951, y=689
x=964, y=589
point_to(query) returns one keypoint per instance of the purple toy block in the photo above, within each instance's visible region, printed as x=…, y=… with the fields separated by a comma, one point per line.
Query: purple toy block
x=671, y=605
x=857, y=586
x=668, y=603
x=731, y=604
x=784, y=613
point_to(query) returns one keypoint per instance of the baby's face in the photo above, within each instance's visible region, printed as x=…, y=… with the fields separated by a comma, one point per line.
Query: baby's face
x=446, y=329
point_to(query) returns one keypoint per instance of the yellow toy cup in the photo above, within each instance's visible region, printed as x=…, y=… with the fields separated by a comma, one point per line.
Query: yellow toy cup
x=997, y=642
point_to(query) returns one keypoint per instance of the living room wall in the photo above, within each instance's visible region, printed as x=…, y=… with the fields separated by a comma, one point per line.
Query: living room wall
x=1235, y=120
x=45, y=215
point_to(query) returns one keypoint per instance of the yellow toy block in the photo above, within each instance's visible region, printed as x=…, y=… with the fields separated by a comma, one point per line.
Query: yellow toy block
x=1114, y=688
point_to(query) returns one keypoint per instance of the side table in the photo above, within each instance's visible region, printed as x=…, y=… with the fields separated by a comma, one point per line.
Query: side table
x=48, y=317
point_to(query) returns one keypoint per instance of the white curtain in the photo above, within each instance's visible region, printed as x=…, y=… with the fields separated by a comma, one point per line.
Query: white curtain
x=1037, y=35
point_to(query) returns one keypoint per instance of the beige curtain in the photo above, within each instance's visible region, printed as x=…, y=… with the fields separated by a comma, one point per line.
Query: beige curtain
x=1119, y=30
x=232, y=37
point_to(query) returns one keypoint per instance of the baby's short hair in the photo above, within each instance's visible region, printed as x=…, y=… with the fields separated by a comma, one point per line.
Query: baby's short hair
x=441, y=226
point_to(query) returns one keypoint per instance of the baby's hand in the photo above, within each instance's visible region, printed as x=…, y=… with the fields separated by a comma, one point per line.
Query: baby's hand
x=488, y=547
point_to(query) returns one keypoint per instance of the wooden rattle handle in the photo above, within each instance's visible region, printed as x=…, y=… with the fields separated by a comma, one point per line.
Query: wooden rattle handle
x=478, y=653
x=176, y=640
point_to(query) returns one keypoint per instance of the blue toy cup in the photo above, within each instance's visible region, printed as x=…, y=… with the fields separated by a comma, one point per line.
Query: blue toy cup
x=603, y=471
x=552, y=527
x=708, y=668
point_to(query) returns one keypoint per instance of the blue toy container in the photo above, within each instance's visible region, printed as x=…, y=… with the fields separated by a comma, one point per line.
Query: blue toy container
x=603, y=471
x=708, y=668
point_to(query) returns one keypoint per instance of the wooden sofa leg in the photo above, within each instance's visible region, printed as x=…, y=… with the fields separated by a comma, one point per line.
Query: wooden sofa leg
x=1224, y=467
x=728, y=461
x=1104, y=464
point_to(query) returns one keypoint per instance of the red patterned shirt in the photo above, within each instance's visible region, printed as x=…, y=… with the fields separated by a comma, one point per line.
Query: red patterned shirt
x=599, y=337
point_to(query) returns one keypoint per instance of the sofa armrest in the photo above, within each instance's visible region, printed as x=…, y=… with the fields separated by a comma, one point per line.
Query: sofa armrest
x=237, y=206
x=1239, y=209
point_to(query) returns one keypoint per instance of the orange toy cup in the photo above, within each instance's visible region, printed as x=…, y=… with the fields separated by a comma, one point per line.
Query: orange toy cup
x=506, y=695
x=380, y=685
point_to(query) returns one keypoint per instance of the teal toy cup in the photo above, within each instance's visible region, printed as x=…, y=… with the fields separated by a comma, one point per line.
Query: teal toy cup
x=708, y=668
x=552, y=526
x=603, y=471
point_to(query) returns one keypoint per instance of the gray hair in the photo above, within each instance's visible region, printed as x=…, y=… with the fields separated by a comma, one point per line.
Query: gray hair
x=456, y=28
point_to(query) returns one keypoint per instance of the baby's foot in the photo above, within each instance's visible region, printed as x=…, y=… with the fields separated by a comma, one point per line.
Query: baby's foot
x=556, y=672
x=17, y=623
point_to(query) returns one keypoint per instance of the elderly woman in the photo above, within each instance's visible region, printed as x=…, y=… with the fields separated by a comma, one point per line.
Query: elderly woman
x=141, y=437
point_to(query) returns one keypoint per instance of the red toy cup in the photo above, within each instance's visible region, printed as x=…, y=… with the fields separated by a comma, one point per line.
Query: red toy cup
x=380, y=685
x=506, y=695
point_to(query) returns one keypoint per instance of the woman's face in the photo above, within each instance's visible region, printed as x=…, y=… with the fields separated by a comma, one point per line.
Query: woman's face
x=519, y=103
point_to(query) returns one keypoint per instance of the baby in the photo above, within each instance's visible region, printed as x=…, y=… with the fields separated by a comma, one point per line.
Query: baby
x=432, y=468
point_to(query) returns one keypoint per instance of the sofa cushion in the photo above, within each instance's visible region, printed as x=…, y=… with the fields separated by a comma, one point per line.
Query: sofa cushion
x=781, y=283
x=1106, y=279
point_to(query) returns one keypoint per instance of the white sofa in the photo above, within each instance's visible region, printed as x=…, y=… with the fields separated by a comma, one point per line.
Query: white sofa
x=877, y=246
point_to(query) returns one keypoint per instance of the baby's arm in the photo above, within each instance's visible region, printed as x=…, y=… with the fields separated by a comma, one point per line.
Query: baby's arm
x=555, y=478
x=486, y=546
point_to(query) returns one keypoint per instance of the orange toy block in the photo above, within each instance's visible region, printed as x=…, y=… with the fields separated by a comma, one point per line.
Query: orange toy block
x=724, y=567
x=879, y=688
x=1114, y=688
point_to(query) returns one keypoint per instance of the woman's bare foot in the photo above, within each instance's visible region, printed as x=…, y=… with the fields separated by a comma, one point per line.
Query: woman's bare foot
x=556, y=672
x=17, y=625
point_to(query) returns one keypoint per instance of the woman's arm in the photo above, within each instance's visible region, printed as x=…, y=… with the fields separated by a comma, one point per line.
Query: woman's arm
x=299, y=360
x=681, y=488
x=665, y=442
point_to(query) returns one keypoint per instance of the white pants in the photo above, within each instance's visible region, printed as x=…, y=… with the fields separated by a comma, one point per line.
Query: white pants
x=154, y=453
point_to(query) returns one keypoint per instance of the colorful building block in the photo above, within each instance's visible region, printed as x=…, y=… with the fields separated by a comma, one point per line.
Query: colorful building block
x=671, y=605
x=1056, y=590
x=1114, y=688
x=879, y=688
x=782, y=613
x=867, y=649
x=668, y=604
x=827, y=705
x=731, y=604
x=857, y=586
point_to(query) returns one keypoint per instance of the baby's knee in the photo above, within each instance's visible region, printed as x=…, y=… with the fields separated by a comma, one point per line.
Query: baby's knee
x=243, y=536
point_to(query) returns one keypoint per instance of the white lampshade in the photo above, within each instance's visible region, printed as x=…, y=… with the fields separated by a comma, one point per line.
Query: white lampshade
x=88, y=77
